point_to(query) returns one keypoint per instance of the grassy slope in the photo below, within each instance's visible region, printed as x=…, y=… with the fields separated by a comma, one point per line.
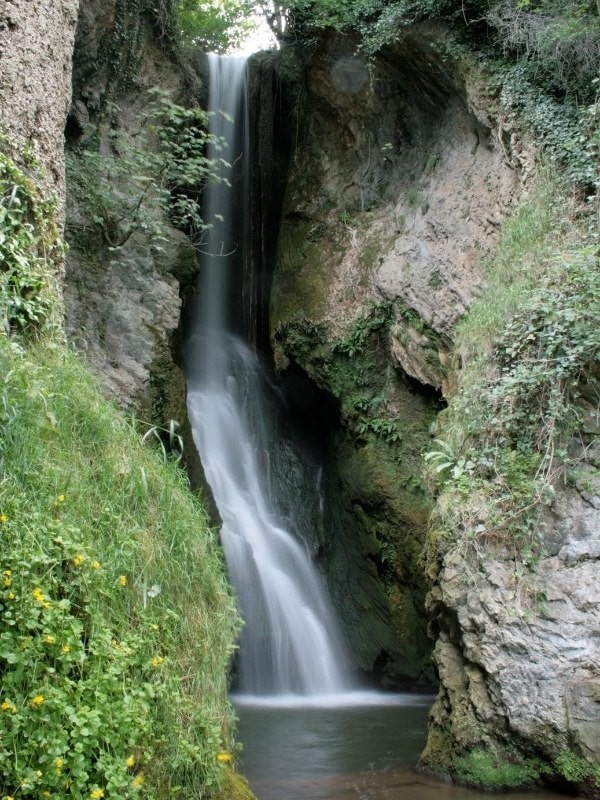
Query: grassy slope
x=116, y=619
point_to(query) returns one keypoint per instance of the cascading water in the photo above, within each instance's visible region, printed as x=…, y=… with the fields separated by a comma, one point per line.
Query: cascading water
x=290, y=644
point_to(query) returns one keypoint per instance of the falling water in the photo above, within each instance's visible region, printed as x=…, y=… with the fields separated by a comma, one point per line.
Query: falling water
x=290, y=644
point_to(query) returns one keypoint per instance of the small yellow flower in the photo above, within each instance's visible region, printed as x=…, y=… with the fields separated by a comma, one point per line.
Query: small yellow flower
x=46, y=794
x=8, y=706
x=3, y=518
x=130, y=761
x=39, y=597
x=8, y=797
x=157, y=661
x=122, y=580
x=96, y=794
x=7, y=579
x=58, y=765
x=66, y=648
x=224, y=757
x=138, y=780
x=95, y=565
x=78, y=559
x=50, y=640
x=154, y=627
x=11, y=595
x=37, y=701
x=60, y=499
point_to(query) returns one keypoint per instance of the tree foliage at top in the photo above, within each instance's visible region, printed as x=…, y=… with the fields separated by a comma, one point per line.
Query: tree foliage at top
x=214, y=25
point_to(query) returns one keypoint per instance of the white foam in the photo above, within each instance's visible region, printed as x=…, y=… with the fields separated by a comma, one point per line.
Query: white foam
x=351, y=699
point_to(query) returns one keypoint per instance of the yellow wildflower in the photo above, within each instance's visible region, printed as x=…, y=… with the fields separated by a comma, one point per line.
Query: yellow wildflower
x=130, y=761
x=37, y=701
x=39, y=597
x=58, y=765
x=96, y=794
x=7, y=577
x=60, y=499
x=153, y=627
x=66, y=648
x=122, y=580
x=95, y=565
x=157, y=661
x=8, y=797
x=46, y=794
x=11, y=595
x=224, y=757
x=8, y=706
x=138, y=780
x=50, y=640
x=78, y=559
x=3, y=518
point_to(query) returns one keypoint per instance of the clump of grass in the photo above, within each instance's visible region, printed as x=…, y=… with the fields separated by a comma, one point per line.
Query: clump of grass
x=116, y=620
x=528, y=350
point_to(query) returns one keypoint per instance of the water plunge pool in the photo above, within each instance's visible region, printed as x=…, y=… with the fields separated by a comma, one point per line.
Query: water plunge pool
x=363, y=747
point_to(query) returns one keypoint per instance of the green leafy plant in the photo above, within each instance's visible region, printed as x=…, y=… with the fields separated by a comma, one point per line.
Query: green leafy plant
x=216, y=25
x=377, y=317
x=480, y=768
x=28, y=244
x=146, y=182
x=572, y=767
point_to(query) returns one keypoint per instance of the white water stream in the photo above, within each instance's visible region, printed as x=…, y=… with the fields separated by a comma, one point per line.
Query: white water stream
x=290, y=644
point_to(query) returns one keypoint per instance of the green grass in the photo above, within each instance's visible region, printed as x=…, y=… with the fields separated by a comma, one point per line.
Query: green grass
x=116, y=620
x=526, y=351
x=528, y=238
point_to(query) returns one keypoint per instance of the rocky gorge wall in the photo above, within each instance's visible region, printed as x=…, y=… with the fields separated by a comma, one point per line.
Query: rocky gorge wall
x=397, y=186
x=36, y=48
x=399, y=178
x=122, y=292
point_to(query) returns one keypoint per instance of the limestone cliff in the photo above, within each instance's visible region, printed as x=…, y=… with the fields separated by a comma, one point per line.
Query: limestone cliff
x=36, y=47
x=122, y=294
x=397, y=186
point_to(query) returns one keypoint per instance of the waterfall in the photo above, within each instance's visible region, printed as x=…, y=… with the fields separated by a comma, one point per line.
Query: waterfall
x=290, y=643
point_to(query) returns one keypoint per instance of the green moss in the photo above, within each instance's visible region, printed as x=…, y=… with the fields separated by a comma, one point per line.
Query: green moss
x=572, y=767
x=234, y=786
x=302, y=272
x=437, y=755
x=481, y=768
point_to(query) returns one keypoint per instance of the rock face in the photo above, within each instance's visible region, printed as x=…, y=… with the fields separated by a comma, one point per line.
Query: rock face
x=396, y=188
x=396, y=192
x=122, y=302
x=518, y=650
x=36, y=47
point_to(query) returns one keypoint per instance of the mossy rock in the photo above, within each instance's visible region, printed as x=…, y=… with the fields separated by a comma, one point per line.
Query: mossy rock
x=234, y=786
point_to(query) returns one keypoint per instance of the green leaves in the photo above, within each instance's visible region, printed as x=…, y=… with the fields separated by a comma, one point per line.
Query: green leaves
x=152, y=181
x=28, y=240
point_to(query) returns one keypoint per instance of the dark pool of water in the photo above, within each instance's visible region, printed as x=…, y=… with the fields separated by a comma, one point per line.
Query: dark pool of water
x=363, y=750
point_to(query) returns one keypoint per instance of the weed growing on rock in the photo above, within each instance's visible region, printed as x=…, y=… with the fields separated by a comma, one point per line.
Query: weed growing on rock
x=28, y=244
x=144, y=183
x=506, y=433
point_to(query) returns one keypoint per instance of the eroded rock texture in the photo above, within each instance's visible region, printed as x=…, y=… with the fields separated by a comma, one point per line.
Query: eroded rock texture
x=518, y=643
x=36, y=47
x=122, y=302
x=397, y=185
